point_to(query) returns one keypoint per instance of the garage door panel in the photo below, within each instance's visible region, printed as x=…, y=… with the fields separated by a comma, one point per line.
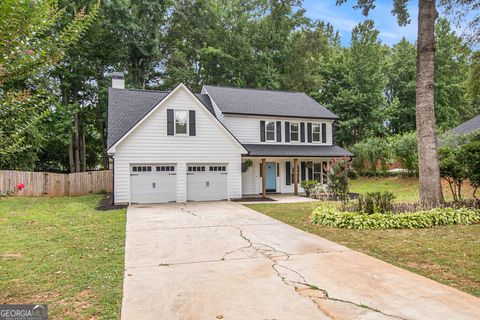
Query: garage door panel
x=153, y=183
x=207, y=182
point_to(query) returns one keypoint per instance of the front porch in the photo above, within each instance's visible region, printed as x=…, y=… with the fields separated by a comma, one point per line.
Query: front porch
x=274, y=175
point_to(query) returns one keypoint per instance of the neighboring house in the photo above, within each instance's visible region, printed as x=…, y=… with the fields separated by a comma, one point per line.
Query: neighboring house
x=180, y=146
x=467, y=127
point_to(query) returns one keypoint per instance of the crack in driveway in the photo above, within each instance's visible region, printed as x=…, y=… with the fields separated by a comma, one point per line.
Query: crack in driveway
x=303, y=287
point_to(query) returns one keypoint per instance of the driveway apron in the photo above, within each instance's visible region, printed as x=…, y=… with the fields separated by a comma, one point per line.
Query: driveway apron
x=221, y=260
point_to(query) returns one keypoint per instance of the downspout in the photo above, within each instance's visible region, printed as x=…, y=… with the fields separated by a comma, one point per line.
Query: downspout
x=113, y=180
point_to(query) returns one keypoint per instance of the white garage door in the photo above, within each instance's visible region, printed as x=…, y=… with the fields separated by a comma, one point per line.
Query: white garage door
x=153, y=183
x=206, y=182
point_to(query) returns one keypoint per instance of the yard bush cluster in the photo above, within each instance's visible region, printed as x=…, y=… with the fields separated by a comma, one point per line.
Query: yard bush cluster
x=375, y=202
x=384, y=173
x=329, y=215
x=460, y=161
x=382, y=151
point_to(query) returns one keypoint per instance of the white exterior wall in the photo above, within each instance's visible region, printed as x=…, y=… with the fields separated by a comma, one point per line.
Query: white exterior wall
x=247, y=128
x=150, y=144
x=252, y=182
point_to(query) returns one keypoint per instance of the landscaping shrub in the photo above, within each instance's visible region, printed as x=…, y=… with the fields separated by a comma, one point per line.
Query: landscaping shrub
x=404, y=149
x=308, y=185
x=337, y=177
x=384, y=174
x=330, y=216
x=375, y=202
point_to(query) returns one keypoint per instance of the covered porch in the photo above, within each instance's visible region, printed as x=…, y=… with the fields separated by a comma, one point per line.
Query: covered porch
x=280, y=169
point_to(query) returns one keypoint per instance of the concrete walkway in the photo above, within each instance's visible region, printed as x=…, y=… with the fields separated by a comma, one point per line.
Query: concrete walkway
x=221, y=260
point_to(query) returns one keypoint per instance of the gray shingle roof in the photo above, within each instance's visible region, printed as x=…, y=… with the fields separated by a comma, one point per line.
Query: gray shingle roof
x=127, y=107
x=278, y=150
x=467, y=127
x=267, y=102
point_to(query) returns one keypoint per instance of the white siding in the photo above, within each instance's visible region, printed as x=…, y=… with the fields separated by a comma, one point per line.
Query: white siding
x=252, y=182
x=149, y=143
x=247, y=128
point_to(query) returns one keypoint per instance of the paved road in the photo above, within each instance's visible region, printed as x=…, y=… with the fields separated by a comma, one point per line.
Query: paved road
x=221, y=260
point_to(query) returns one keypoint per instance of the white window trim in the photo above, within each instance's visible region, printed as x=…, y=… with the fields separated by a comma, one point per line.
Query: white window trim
x=175, y=122
x=319, y=133
x=274, y=131
x=298, y=131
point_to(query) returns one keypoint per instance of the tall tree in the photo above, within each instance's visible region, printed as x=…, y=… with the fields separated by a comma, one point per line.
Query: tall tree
x=429, y=172
x=354, y=88
x=401, y=87
x=32, y=43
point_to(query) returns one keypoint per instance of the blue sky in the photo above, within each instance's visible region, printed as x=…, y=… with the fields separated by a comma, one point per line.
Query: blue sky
x=344, y=18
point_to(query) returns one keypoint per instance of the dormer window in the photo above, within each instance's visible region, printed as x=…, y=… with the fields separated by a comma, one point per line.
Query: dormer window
x=294, y=131
x=270, y=130
x=181, y=122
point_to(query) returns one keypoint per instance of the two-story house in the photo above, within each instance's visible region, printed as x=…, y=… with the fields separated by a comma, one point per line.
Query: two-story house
x=223, y=143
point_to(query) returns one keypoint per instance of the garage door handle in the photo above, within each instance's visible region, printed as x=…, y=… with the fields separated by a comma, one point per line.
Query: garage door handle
x=172, y=174
x=133, y=174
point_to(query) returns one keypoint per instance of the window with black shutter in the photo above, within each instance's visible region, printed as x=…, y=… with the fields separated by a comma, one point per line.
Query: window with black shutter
x=324, y=133
x=262, y=131
x=191, y=123
x=288, y=176
x=170, y=122
x=302, y=132
x=279, y=131
x=287, y=131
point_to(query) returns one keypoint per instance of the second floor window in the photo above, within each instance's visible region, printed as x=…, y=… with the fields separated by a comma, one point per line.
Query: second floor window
x=316, y=132
x=294, y=131
x=270, y=130
x=181, y=121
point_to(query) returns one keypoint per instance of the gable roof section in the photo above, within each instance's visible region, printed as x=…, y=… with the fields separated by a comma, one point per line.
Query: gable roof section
x=267, y=103
x=467, y=127
x=127, y=108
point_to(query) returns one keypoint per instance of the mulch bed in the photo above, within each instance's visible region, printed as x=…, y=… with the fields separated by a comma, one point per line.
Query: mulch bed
x=106, y=204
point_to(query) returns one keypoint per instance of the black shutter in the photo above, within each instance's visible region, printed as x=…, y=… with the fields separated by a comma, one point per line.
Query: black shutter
x=287, y=131
x=302, y=132
x=279, y=131
x=324, y=132
x=288, y=174
x=261, y=171
x=262, y=131
x=309, y=132
x=170, y=122
x=191, y=123
x=302, y=174
x=333, y=134
x=310, y=171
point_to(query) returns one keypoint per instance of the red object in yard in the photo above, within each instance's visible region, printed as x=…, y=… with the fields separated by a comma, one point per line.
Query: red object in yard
x=20, y=186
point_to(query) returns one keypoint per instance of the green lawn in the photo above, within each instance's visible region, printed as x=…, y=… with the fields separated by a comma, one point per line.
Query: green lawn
x=405, y=189
x=449, y=254
x=63, y=252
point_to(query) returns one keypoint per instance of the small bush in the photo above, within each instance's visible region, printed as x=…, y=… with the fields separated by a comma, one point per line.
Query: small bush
x=331, y=217
x=337, y=178
x=308, y=186
x=375, y=202
x=352, y=174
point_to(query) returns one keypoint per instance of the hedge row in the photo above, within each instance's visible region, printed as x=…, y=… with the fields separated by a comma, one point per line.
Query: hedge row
x=381, y=173
x=330, y=216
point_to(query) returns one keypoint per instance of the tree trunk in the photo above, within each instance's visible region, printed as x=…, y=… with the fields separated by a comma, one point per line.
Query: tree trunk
x=76, y=141
x=429, y=171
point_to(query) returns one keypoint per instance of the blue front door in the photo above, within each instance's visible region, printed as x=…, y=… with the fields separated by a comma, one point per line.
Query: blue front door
x=271, y=175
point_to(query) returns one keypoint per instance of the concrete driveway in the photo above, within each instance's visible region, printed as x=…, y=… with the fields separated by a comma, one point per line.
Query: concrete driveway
x=221, y=260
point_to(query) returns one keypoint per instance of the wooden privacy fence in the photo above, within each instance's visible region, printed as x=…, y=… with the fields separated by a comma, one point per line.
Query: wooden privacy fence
x=39, y=184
